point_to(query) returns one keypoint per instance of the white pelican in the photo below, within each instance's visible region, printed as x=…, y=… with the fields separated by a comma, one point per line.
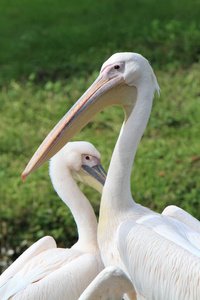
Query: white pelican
x=125, y=79
x=45, y=271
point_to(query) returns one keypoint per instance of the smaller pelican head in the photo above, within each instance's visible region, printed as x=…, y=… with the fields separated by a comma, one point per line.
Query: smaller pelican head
x=83, y=160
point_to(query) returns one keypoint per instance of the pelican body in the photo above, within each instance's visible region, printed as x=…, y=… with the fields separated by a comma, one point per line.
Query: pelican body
x=128, y=80
x=44, y=271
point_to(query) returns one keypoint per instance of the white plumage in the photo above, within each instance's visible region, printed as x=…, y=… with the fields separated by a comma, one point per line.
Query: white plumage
x=178, y=213
x=111, y=283
x=158, y=267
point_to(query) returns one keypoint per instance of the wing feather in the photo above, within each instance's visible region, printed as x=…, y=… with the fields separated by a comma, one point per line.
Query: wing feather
x=174, y=231
x=159, y=269
x=67, y=282
x=178, y=213
x=41, y=245
x=37, y=268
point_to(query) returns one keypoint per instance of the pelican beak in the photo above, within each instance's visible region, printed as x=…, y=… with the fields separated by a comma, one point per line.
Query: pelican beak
x=102, y=93
x=97, y=172
x=94, y=176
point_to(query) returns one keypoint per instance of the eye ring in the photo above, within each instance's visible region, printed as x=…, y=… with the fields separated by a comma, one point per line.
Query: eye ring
x=116, y=67
x=87, y=157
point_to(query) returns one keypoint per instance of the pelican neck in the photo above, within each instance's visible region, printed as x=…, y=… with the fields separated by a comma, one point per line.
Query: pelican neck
x=83, y=213
x=117, y=190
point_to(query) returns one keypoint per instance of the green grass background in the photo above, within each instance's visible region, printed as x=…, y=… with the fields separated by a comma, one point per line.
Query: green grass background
x=50, y=52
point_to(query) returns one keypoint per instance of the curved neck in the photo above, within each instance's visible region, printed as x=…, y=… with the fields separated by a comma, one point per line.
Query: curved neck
x=71, y=195
x=117, y=187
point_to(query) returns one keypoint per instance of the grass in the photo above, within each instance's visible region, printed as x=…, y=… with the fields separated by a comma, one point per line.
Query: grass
x=50, y=53
x=57, y=40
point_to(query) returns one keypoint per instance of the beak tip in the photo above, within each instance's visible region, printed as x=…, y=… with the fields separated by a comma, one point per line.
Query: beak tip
x=23, y=176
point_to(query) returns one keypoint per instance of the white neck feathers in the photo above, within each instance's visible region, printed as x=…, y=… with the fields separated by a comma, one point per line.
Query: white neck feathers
x=117, y=187
x=71, y=195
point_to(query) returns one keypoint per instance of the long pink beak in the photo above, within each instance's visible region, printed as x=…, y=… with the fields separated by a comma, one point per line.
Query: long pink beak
x=102, y=93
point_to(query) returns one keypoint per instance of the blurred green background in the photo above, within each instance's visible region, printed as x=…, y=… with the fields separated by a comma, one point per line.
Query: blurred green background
x=50, y=52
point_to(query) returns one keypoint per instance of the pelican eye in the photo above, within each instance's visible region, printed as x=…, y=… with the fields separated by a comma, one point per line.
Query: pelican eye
x=87, y=157
x=116, y=67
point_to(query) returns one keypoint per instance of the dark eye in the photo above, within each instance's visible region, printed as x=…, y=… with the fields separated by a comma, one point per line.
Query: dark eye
x=116, y=67
x=87, y=157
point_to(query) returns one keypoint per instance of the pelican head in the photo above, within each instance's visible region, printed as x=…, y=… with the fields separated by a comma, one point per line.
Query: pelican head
x=83, y=161
x=117, y=84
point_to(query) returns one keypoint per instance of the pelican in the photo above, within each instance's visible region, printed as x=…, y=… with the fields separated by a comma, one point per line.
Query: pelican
x=128, y=80
x=45, y=271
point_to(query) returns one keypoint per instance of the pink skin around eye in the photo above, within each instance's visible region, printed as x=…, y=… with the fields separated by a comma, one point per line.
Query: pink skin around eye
x=113, y=69
x=91, y=162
